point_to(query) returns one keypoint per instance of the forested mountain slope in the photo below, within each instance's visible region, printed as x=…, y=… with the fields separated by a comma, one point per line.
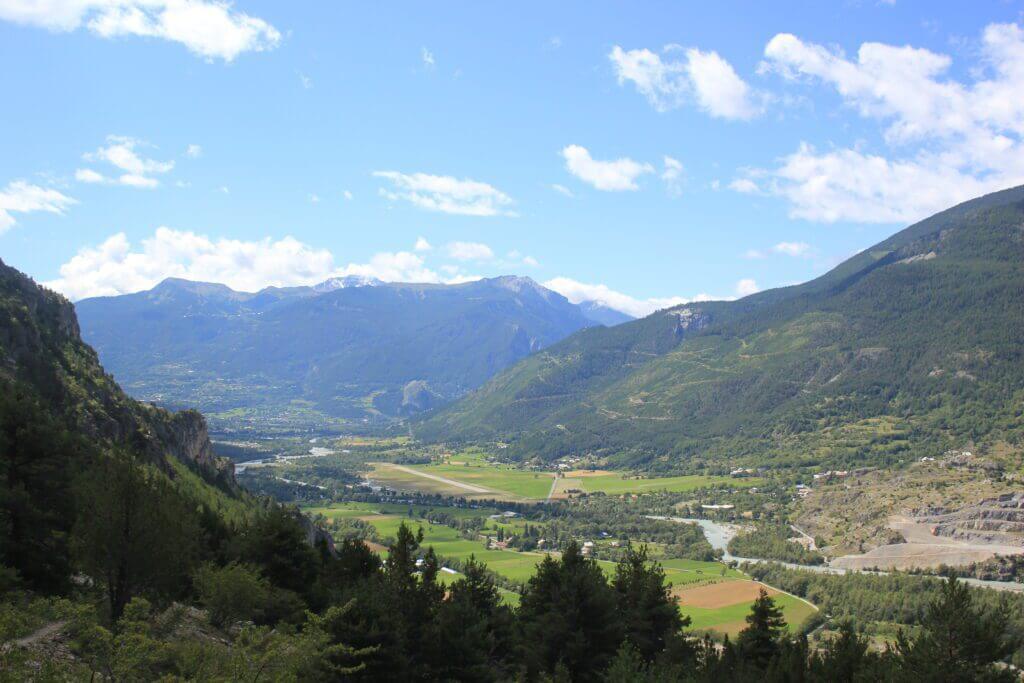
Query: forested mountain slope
x=41, y=352
x=909, y=347
x=346, y=348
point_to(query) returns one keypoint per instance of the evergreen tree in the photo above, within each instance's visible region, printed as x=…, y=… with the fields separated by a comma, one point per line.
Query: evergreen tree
x=37, y=459
x=134, y=532
x=568, y=615
x=957, y=642
x=758, y=643
x=648, y=611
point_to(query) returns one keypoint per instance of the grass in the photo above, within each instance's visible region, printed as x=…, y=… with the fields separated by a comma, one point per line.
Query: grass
x=519, y=566
x=506, y=482
x=615, y=484
x=731, y=618
x=501, y=482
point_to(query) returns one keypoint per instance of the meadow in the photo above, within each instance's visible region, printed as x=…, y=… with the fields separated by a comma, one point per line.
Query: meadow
x=469, y=476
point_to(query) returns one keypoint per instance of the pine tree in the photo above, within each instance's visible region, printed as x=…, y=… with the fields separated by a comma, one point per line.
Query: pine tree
x=958, y=642
x=568, y=616
x=647, y=609
x=758, y=643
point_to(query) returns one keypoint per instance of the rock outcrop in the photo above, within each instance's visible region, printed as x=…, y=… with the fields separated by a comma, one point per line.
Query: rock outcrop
x=40, y=346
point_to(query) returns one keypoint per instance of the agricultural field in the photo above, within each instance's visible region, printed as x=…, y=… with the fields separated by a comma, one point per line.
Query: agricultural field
x=483, y=481
x=714, y=596
x=615, y=483
x=468, y=475
x=721, y=608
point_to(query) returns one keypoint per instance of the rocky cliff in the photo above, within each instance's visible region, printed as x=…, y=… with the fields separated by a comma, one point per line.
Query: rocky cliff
x=40, y=346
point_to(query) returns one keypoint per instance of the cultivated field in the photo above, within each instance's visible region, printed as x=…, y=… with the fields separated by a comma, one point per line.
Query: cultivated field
x=721, y=608
x=470, y=477
x=466, y=480
x=714, y=596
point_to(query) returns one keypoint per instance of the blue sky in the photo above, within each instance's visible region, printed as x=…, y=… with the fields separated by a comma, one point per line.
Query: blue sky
x=636, y=153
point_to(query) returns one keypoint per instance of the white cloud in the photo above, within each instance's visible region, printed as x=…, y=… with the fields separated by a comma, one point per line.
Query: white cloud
x=610, y=176
x=792, y=248
x=120, y=152
x=702, y=76
x=428, y=58
x=531, y=262
x=116, y=267
x=673, y=176
x=562, y=189
x=22, y=197
x=744, y=185
x=305, y=80
x=469, y=251
x=577, y=292
x=194, y=151
x=951, y=139
x=87, y=175
x=314, y=198
x=746, y=287
x=210, y=29
x=720, y=92
x=347, y=195
x=422, y=244
x=852, y=186
x=795, y=249
x=446, y=194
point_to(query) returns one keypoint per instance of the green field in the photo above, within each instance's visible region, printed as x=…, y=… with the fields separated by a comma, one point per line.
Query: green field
x=615, y=484
x=731, y=619
x=520, y=566
x=490, y=481
x=506, y=482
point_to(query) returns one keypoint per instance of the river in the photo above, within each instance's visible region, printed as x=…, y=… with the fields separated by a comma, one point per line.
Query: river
x=720, y=533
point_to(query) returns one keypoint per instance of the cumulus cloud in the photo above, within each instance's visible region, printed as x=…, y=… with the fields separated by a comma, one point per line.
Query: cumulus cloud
x=210, y=29
x=427, y=57
x=578, y=292
x=422, y=244
x=673, y=176
x=133, y=170
x=117, y=267
x=22, y=197
x=609, y=176
x=948, y=139
x=446, y=194
x=194, y=151
x=744, y=185
x=469, y=251
x=704, y=77
x=792, y=248
x=562, y=189
x=746, y=287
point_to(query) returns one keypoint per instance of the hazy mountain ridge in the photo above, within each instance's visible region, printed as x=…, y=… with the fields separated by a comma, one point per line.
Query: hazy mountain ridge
x=921, y=335
x=354, y=348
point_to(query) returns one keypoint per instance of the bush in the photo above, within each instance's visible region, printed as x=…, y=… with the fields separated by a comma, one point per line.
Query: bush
x=236, y=592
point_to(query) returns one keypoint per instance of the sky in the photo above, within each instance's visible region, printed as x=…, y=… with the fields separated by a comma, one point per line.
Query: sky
x=638, y=154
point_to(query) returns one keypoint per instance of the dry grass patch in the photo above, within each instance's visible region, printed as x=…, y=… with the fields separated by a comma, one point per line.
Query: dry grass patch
x=721, y=594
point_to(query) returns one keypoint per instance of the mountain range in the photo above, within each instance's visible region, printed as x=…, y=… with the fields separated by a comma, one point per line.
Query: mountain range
x=42, y=354
x=910, y=347
x=348, y=349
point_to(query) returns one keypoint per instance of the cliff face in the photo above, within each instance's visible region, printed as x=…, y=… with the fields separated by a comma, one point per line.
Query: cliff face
x=40, y=345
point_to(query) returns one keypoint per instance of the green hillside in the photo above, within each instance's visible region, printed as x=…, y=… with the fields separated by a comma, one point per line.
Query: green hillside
x=908, y=348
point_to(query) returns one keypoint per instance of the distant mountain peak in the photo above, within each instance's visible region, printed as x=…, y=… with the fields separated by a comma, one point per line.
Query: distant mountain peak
x=177, y=284
x=519, y=283
x=346, y=282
